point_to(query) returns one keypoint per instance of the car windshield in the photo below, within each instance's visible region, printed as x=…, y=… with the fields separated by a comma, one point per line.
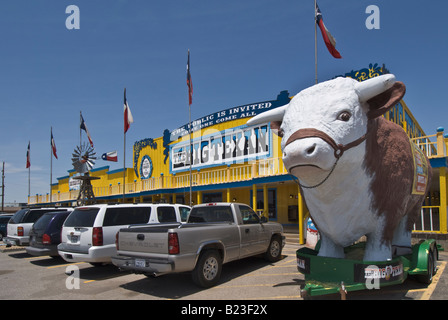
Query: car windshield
x=82, y=217
x=17, y=217
x=43, y=221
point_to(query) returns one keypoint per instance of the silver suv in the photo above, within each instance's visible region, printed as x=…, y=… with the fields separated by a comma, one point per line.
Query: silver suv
x=88, y=234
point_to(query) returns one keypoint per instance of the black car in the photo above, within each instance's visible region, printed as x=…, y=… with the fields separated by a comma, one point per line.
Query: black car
x=45, y=235
x=4, y=218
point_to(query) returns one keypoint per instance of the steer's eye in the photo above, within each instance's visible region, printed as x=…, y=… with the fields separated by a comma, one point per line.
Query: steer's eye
x=344, y=116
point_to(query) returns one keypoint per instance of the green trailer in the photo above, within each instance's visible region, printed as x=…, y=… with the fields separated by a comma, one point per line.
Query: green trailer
x=324, y=275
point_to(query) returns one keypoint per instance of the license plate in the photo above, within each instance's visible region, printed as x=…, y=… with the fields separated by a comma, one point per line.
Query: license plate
x=74, y=239
x=140, y=263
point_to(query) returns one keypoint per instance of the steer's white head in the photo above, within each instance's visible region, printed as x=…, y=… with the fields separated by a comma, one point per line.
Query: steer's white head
x=328, y=119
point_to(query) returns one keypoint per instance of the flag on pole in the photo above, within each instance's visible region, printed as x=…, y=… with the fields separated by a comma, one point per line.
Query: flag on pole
x=84, y=127
x=28, y=162
x=330, y=42
x=128, y=119
x=110, y=156
x=53, y=145
x=189, y=82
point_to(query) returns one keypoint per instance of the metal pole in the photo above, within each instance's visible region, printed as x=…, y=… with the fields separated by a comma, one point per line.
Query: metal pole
x=3, y=186
x=124, y=167
x=191, y=153
x=51, y=162
x=80, y=134
x=29, y=173
x=80, y=130
x=29, y=188
x=189, y=124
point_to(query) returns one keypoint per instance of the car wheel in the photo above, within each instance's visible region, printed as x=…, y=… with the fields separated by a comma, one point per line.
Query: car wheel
x=207, y=272
x=432, y=268
x=274, y=252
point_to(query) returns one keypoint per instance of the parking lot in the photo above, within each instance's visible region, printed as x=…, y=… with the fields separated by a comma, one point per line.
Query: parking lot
x=26, y=277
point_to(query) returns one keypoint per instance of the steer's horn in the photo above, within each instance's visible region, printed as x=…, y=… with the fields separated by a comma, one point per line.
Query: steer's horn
x=268, y=116
x=374, y=86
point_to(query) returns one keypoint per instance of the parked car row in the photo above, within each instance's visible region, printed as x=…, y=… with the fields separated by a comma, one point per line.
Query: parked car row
x=152, y=239
x=20, y=224
x=83, y=234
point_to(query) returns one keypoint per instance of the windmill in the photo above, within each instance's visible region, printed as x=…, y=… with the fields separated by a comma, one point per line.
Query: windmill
x=83, y=161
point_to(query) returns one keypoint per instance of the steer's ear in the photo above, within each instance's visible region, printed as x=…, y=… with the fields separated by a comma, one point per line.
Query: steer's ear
x=379, y=104
x=275, y=126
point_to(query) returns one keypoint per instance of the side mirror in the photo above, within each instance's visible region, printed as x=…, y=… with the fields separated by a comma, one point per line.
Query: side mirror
x=263, y=219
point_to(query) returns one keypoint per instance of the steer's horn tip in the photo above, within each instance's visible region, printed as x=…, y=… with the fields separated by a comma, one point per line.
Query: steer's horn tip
x=369, y=88
x=268, y=116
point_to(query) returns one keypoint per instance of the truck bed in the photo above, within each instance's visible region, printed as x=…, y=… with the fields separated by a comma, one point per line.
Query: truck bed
x=152, y=240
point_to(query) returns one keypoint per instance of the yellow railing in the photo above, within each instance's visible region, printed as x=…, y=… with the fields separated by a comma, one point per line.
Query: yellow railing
x=235, y=173
x=433, y=149
x=429, y=220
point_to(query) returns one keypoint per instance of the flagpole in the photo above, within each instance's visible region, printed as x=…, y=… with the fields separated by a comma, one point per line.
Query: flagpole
x=315, y=39
x=29, y=170
x=189, y=125
x=51, y=160
x=191, y=153
x=80, y=130
x=80, y=134
x=124, y=166
x=125, y=129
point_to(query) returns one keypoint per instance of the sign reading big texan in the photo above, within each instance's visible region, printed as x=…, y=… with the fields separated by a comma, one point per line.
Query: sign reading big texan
x=233, y=145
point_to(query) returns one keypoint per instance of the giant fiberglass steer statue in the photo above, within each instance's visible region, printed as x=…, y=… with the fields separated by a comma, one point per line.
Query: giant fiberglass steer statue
x=359, y=173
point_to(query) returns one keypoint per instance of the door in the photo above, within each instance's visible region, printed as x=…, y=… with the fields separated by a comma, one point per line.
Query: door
x=250, y=230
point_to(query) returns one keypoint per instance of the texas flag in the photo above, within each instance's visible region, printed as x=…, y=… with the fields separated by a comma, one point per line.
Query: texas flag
x=28, y=162
x=110, y=156
x=83, y=126
x=330, y=42
x=189, y=82
x=53, y=145
x=128, y=119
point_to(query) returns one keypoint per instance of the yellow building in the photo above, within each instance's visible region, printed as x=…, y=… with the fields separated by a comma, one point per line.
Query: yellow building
x=234, y=162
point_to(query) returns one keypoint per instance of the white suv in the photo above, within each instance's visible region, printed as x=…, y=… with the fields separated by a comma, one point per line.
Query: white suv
x=88, y=234
x=19, y=226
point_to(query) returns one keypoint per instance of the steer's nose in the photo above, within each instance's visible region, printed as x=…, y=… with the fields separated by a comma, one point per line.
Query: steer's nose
x=301, y=149
x=311, y=149
x=308, y=151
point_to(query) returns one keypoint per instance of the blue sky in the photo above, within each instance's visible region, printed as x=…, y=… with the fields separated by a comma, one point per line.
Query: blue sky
x=241, y=52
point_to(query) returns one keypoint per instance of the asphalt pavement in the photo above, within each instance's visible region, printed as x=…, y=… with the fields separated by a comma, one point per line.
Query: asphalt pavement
x=252, y=279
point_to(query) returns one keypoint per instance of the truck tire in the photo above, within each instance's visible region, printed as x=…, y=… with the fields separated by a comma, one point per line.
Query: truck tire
x=274, y=252
x=207, y=272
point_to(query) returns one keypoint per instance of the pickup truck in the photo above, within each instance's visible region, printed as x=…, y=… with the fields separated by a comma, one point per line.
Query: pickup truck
x=215, y=233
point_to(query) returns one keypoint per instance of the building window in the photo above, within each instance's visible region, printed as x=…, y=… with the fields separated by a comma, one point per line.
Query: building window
x=180, y=198
x=212, y=197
